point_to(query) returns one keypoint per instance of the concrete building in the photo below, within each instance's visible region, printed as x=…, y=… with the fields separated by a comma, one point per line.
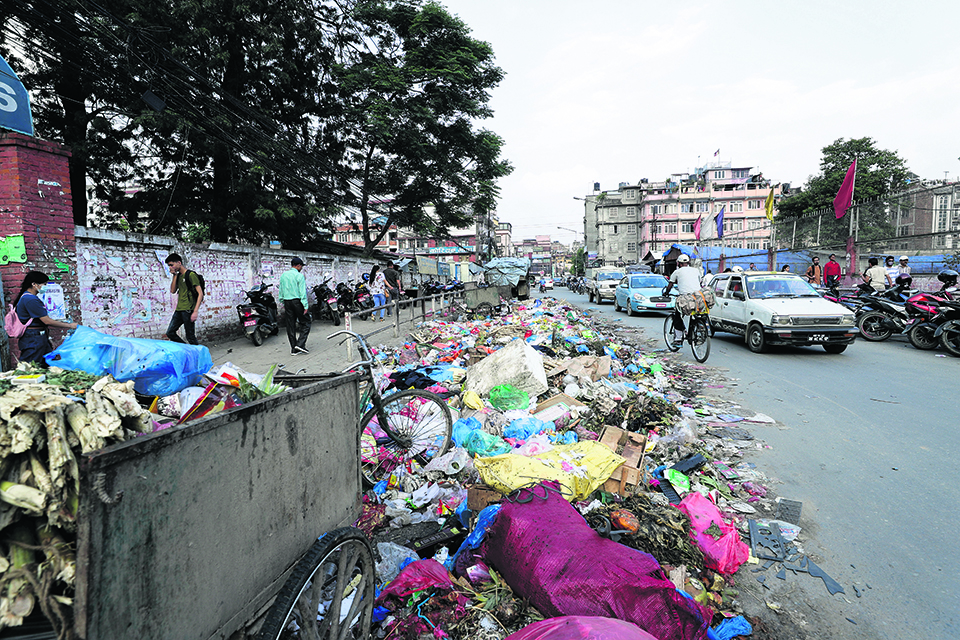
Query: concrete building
x=637, y=220
x=504, y=232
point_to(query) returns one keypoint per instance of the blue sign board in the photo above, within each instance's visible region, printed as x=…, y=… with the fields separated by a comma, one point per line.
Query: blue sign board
x=14, y=102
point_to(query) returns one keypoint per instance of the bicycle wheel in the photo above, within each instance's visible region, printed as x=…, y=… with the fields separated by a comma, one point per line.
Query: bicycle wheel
x=668, y=333
x=329, y=595
x=699, y=339
x=410, y=427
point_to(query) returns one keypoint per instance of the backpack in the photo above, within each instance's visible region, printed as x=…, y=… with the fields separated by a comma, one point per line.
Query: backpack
x=11, y=322
x=191, y=292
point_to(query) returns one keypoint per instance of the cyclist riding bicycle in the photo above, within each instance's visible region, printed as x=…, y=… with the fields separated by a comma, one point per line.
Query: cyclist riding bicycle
x=687, y=279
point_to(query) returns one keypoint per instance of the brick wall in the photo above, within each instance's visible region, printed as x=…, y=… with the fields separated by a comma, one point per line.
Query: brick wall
x=36, y=201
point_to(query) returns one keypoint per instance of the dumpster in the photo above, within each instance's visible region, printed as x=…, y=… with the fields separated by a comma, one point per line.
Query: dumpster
x=190, y=532
x=474, y=297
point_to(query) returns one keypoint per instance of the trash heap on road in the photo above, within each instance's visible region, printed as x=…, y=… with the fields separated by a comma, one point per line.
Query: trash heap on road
x=588, y=479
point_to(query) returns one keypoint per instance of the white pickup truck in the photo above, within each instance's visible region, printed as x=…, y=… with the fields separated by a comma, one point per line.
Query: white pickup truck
x=603, y=284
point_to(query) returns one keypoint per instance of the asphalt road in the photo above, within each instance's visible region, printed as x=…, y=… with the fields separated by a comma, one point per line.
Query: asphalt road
x=868, y=441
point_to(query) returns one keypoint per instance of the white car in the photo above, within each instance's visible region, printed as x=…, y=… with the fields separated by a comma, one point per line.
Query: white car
x=548, y=283
x=776, y=308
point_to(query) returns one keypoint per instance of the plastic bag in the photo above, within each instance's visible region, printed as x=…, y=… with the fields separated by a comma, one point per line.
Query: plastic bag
x=733, y=627
x=462, y=429
x=506, y=397
x=581, y=628
x=416, y=576
x=526, y=427
x=481, y=443
x=393, y=556
x=579, y=468
x=472, y=401
x=157, y=367
x=725, y=553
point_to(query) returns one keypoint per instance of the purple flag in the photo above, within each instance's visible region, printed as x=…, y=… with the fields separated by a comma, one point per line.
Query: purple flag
x=720, y=222
x=696, y=228
x=845, y=195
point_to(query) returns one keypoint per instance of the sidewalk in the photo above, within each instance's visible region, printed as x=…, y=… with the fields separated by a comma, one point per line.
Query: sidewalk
x=325, y=355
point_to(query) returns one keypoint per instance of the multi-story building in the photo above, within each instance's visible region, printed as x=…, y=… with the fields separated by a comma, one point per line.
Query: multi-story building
x=927, y=217
x=504, y=232
x=646, y=218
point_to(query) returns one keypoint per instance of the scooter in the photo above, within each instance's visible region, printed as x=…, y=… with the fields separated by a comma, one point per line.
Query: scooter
x=259, y=316
x=327, y=306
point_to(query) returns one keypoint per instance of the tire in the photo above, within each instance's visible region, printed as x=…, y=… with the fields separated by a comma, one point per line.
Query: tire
x=756, y=341
x=482, y=312
x=950, y=338
x=257, y=337
x=339, y=561
x=590, y=296
x=335, y=315
x=871, y=326
x=419, y=434
x=921, y=336
x=668, y=333
x=700, y=341
x=834, y=348
x=630, y=311
x=616, y=304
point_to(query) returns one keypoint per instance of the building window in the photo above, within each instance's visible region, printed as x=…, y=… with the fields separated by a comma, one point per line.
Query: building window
x=686, y=207
x=631, y=246
x=670, y=228
x=740, y=173
x=686, y=227
x=718, y=206
x=672, y=208
x=631, y=212
x=703, y=207
x=719, y=175
x=656, y=209
x=631, y=193
x=631, y=229
x=732, y=225
x=754, y=204
x=734, y=207
x=614, y=229
x=753, y=224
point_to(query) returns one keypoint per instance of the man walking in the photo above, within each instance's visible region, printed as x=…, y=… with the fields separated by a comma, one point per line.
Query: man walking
x=186, y=284
x=815, y=272
x=392, y=276
x=293, y=296
x=831, y=271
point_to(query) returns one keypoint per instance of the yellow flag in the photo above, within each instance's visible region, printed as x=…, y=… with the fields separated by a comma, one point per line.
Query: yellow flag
x=769, y=206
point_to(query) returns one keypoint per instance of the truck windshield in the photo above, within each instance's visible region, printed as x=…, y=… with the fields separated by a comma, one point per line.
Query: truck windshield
x=609, y=275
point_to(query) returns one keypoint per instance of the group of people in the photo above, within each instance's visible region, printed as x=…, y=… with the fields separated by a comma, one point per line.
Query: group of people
x=35, y=343
x=877, y=276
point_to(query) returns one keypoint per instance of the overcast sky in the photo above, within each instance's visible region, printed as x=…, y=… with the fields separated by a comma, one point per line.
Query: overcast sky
x=613, y=91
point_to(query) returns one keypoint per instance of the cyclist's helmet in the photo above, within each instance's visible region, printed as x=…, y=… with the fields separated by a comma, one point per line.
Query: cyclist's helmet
x=904, y=280
x=948, y=277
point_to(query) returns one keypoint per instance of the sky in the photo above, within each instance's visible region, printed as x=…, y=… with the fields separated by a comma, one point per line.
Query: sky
x=613, y=91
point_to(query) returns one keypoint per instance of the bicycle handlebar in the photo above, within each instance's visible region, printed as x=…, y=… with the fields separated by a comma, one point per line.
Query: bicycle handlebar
x=364, y=349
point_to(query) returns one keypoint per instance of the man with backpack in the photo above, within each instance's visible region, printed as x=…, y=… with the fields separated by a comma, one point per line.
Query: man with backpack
x=188, y=285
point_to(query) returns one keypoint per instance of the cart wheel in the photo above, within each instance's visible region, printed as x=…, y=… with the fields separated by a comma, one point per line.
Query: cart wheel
x=482, y=312
x=329, y=595
x=418, y=425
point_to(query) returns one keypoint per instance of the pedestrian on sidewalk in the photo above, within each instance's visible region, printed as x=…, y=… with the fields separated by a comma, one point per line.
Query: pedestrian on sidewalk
x=378, y=289
x=293, y=297
x=815, y=273
x=186, y=284
x=34, y=343
x=876, y=276
x=831, y=271
x=392, y=276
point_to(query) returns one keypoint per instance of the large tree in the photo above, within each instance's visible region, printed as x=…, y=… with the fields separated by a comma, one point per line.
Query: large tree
x=880, y=175
x=406, y=132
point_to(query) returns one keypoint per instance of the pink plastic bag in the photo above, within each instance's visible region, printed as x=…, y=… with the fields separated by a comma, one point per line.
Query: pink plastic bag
x=724, y=554
x=422, y=574
x=547, y=553
x=581, y=628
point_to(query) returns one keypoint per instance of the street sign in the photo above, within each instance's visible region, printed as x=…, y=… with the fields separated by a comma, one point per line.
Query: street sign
x=14, y=102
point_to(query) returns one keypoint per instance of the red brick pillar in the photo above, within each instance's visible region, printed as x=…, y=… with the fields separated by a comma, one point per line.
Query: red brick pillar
x=36, y=202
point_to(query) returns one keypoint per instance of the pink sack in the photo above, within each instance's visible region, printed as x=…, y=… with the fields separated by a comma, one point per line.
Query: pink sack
x=417, y=576
x=581, y=628
x=724, y=554
x=547, y=553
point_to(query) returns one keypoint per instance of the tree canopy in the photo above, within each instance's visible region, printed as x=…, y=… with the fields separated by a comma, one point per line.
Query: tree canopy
x=245, y=120
x=880, y=175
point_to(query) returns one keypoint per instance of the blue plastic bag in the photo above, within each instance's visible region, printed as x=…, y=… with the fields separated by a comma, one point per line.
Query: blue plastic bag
x=157, y=367
x=733, y=627
x=523, y=428
x=462, y=429
x=484, y=520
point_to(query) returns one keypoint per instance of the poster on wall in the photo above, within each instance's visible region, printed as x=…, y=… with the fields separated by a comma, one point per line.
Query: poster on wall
x=14, y=102
x=54, y=301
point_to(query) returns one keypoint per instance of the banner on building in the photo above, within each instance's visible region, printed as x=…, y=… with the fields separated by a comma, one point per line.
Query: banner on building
x=443, y=269
x=427, y=266
x=14, y=102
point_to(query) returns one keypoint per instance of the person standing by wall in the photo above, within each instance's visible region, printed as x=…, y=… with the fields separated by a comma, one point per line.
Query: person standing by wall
x=831, y=271
x=875, y=275
x=815, y=273
x=35, y=341
x=378, y=289
x=392, y=277
x=186, y=284
x=904, y=266
x=293, y=297
x=892, y=270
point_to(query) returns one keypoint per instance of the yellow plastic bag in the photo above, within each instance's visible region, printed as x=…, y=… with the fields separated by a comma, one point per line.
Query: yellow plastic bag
x=579, y=468
x=472, y=400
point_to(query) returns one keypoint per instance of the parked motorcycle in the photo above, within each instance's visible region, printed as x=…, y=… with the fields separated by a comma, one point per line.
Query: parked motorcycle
x=929, y=311
x=326, y=307
x=259, y=317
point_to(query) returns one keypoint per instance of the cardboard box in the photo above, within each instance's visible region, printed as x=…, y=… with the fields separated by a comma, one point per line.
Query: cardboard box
x=558, y=409
x=480, y=496
x=629, y=477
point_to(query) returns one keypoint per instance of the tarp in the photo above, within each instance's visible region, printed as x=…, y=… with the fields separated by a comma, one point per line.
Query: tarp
x=507, y=271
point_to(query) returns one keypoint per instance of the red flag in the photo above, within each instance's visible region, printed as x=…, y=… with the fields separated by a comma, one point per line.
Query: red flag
x=845, y=195
x=696, y=228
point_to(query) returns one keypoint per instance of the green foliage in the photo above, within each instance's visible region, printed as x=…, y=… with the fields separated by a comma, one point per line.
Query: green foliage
x=579, y=262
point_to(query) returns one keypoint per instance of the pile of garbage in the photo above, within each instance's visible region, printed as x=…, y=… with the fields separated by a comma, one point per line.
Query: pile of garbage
x=588, y=476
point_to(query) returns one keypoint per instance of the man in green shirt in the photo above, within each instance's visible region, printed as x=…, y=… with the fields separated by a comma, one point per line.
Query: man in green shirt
x=186, y=284
x=293, y=296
